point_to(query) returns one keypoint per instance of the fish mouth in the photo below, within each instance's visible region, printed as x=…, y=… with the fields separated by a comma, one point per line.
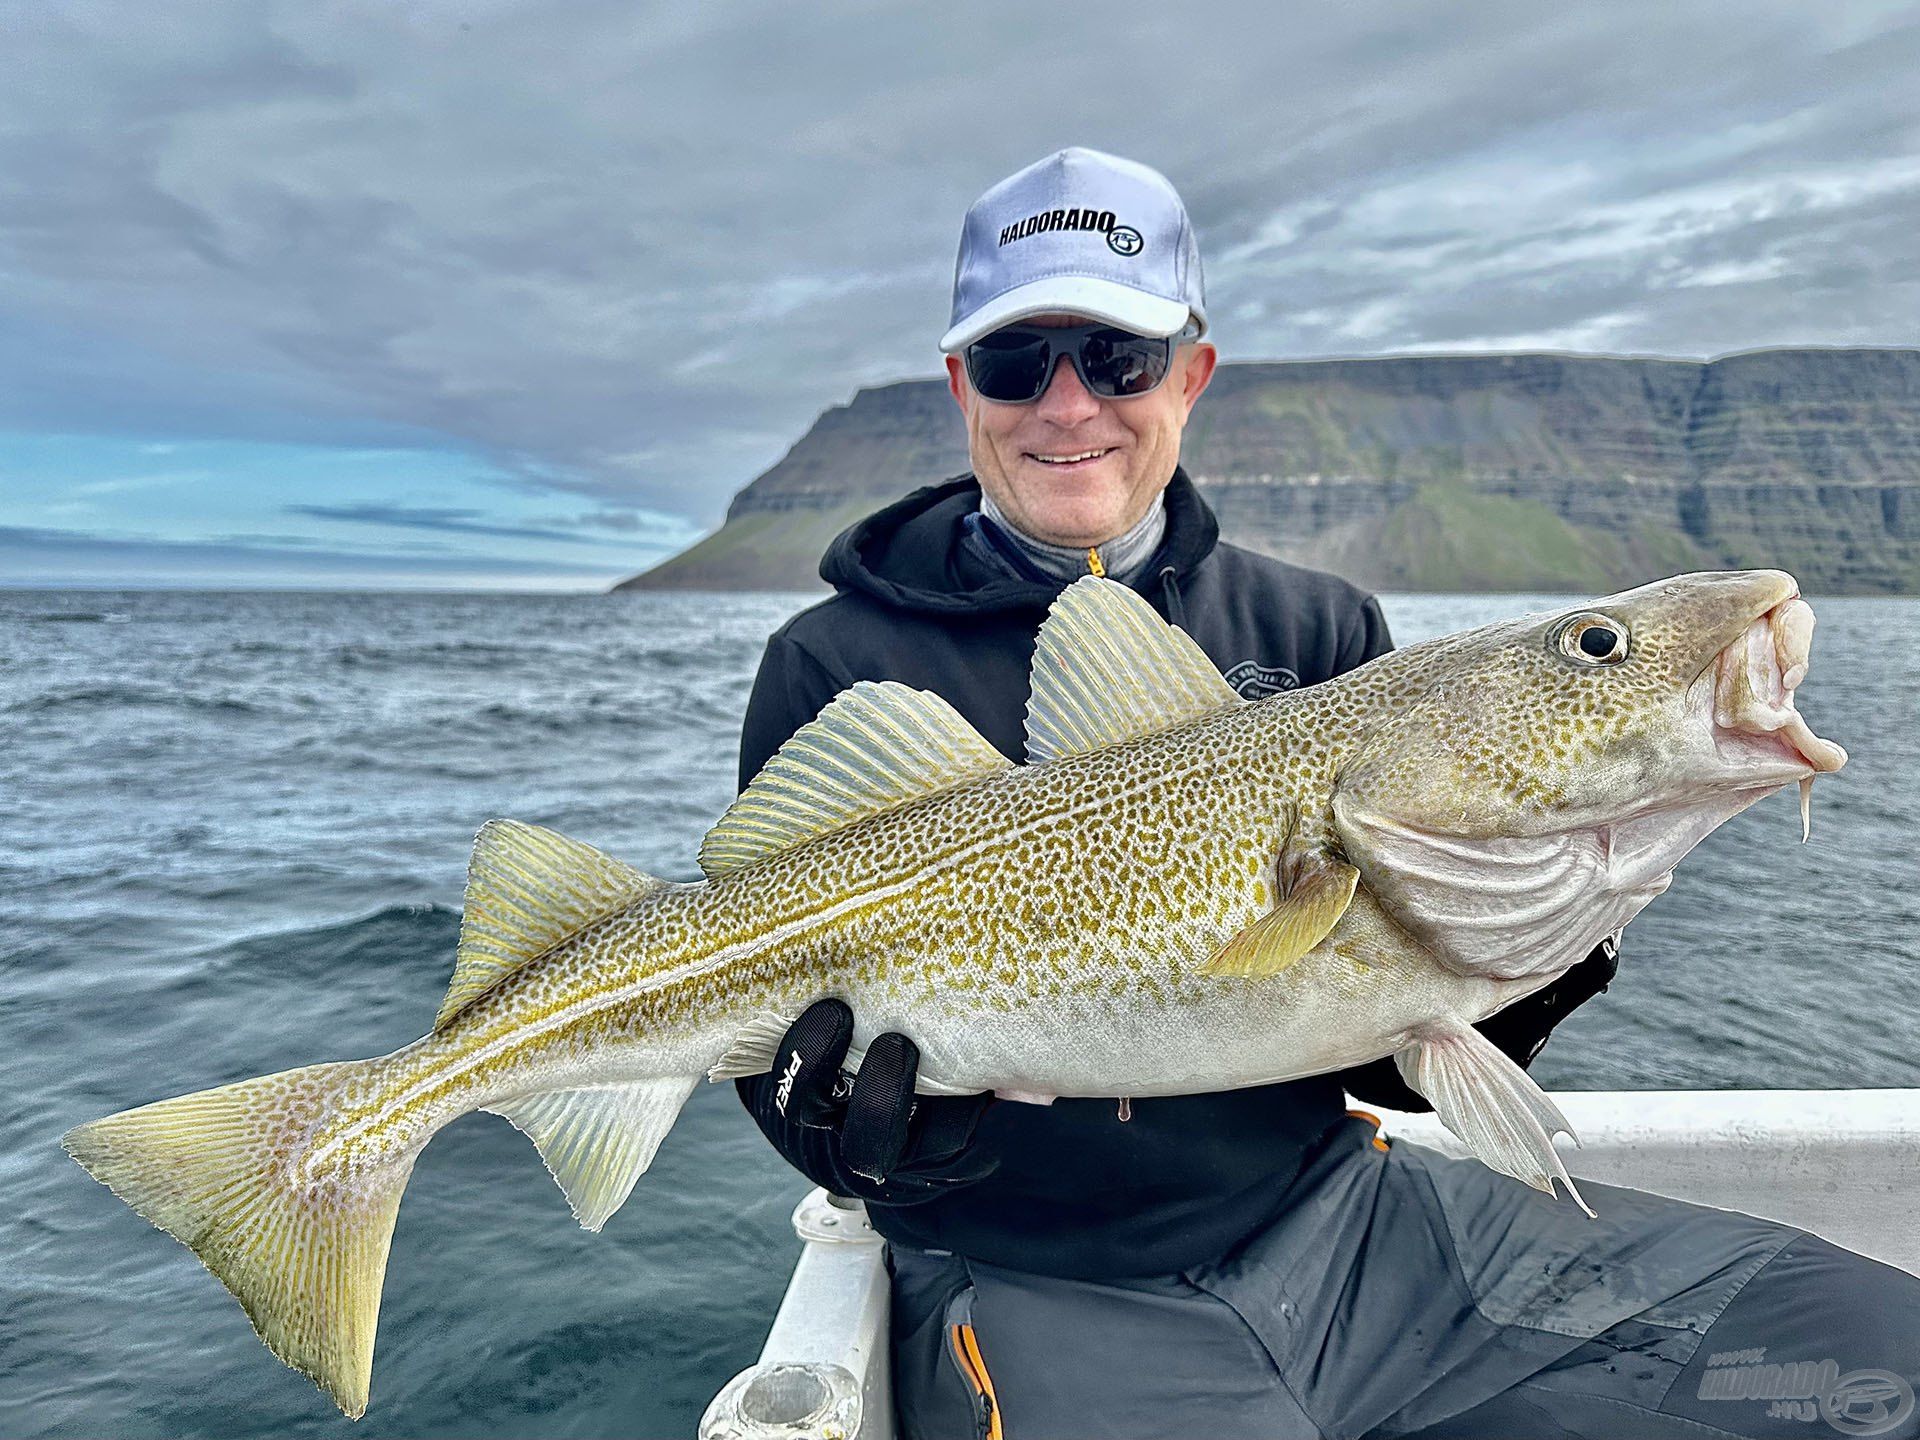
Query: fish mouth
x=1756, y=728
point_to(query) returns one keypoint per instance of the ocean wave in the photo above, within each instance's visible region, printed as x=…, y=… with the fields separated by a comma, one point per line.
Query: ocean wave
x=100, y=697
x=68, y=617
x=373, y=943
x=719, y=655
x=268, y=647
x=459, y=654
x=397, y=752
x=500, y=718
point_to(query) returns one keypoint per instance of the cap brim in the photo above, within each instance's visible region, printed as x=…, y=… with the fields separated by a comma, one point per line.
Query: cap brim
x=1103, y=300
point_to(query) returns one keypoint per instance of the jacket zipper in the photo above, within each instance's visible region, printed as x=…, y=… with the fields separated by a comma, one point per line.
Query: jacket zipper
x=966, y=1353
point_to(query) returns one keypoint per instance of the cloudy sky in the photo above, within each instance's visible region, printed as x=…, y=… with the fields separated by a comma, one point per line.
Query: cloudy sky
x=518, y=294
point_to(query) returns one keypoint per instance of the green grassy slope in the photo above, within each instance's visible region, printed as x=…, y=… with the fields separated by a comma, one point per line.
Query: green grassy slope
x=1450, y=537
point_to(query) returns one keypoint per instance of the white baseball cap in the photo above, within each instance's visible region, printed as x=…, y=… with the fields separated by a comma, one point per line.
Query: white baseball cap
x=1080, y=232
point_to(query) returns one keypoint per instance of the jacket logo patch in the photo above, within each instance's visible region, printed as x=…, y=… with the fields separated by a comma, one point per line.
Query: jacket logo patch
x=1253, y=681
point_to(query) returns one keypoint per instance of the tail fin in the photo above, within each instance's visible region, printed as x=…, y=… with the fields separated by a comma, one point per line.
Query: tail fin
x=221, y=1172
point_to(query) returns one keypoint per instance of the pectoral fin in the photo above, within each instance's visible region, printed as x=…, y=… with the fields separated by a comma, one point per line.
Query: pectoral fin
x=1299, y=922
x=1493, y=1105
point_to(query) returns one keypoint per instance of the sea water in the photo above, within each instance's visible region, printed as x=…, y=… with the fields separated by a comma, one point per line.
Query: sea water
x=233, y=834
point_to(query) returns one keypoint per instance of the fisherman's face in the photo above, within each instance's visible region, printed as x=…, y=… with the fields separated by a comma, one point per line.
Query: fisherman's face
x=1023, y=455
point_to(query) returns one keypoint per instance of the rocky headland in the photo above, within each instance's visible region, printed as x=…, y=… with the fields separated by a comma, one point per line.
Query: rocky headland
x=1450, y=472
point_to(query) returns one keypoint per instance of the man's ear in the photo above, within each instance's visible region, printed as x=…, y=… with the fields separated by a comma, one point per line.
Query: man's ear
x=1200, y=362
x=957, y=381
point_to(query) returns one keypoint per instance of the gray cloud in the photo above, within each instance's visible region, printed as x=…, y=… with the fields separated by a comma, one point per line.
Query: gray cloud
x=32, y=556
x=630, y=251
x=457, y=519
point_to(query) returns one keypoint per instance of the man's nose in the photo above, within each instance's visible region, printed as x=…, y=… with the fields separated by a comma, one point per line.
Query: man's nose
x=1066, y=401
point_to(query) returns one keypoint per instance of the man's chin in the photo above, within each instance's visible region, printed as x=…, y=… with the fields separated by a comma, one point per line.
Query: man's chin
x=1089, y=492
x=1067, y=519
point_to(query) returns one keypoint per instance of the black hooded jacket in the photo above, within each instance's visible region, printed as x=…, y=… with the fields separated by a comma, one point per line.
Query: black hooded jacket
x=1073, y=1190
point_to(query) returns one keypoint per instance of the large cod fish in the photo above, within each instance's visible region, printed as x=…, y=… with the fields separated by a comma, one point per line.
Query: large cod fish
x=1180, y=891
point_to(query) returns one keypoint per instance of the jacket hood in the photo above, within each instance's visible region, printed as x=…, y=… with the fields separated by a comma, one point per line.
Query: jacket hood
x=909, y=555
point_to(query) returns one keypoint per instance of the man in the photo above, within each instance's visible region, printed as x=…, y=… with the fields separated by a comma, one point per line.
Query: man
x=1248, y=1263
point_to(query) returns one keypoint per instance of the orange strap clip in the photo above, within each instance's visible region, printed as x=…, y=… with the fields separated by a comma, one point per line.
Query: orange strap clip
x=1379, y=1140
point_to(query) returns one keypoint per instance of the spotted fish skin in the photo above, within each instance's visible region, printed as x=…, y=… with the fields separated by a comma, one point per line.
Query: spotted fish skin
x=1183, y=892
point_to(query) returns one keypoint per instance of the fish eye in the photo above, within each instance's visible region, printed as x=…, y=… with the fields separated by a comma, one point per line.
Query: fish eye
x=1592, y=640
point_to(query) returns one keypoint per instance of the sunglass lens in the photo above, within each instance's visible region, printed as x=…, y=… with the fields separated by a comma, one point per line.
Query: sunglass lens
x=1117, y=364
x=1010, y=365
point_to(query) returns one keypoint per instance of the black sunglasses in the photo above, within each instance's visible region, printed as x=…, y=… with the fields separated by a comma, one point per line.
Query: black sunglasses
x=1014, y=365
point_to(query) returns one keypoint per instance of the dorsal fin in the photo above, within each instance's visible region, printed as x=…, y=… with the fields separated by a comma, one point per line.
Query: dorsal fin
x=1107, y=668
x=876, y=746
x=527, y=890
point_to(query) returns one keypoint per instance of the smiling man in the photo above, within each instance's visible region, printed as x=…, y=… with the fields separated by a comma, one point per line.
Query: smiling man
x=1247, y=1263
x=1067, y=468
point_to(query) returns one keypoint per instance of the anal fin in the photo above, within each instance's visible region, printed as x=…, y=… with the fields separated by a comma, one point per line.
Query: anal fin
x=1493, y=1105
x=598, y=1142
x=1293, y=927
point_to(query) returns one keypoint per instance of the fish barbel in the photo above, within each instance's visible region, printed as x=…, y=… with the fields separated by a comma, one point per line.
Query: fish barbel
x=1180, y=891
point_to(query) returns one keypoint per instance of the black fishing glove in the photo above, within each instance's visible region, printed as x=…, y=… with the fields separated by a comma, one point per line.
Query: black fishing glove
x=868, y=1136
x=1520, y=1030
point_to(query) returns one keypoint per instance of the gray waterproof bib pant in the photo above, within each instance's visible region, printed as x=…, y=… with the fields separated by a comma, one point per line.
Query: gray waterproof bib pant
x=1405, y=1293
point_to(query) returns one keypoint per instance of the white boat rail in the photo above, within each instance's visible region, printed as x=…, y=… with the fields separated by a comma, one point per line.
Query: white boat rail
x=1841, y=1163
x=823, y=1372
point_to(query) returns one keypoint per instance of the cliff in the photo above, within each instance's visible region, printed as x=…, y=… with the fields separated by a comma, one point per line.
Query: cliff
x=1502, y=472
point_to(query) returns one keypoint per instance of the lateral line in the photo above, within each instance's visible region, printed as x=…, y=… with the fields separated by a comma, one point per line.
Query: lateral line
x=705, y=965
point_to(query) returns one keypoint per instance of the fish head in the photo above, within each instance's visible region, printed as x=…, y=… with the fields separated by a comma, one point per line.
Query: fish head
x=1577, y=754
x=1651, y=697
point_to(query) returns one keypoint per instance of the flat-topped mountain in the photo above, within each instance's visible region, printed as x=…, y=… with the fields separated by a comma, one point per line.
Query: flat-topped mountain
x=1450, y=472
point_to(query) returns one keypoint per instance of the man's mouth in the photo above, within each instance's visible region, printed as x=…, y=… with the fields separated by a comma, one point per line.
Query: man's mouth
x=1070, y=459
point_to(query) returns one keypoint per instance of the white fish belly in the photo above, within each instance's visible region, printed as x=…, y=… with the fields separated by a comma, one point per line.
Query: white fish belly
x=1203, y=1034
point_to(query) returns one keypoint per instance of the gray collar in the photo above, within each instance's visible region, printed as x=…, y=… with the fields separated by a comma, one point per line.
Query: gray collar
x=1122, y=558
